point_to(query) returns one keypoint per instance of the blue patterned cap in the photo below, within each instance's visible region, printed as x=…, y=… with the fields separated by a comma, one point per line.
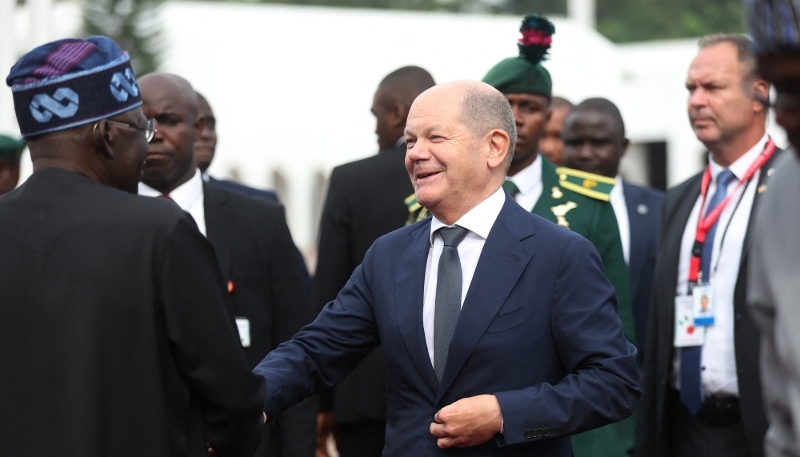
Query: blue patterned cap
x=773, y=24
x=71, y=82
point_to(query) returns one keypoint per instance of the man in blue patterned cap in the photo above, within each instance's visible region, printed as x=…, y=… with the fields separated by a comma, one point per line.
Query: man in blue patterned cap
x=10, y=152
x=114, y=334
x=772, y=297
x=574, y=199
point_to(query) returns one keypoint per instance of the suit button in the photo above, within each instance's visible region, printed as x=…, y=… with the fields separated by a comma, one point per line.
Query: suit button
x=547, y=432
x=738, y=316
x=537, y=433
x=528, y=434
x=663, y=383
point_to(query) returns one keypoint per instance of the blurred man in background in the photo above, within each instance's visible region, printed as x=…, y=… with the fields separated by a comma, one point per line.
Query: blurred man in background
x=255, y=251
x=702, y=393
x=594, y=141
x=205, y=146
x=774, y=293
x=114, y=334
x=10, y=153
x=365, y=200
x=551, y=144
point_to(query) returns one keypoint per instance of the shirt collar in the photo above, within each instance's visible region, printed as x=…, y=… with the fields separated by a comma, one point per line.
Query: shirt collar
x=740, y=166
x=617, y=189
x=479, y=219
x=185, y=195
x=527, y=178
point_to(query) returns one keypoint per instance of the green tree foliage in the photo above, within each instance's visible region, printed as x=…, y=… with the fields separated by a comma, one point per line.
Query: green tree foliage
x=639, y=20
x=132, y=24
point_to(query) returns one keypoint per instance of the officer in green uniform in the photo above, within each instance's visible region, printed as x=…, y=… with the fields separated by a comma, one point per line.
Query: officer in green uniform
x=573, y=199
x=10, y=152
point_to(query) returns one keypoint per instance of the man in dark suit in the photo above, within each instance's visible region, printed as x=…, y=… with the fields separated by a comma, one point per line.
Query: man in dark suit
x=205, y=146
x=114, y=332
x=499, y=328
x=594, y=141
x=702, y=392
x=365, y=201
x=254, y=248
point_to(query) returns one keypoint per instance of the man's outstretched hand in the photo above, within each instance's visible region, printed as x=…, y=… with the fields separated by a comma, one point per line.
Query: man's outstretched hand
x=467, y=422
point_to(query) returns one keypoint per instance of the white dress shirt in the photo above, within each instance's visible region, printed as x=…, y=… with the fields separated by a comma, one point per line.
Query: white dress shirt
x=718, y=360
x=189, y=196
x=621, y=211
x=529, y=183
x=479, y=221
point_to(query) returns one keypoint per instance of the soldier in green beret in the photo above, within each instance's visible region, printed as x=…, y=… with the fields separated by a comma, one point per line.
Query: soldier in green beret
x=10, y=152
x=573, y=199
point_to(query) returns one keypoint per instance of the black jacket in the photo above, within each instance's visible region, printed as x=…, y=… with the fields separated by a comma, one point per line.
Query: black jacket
x=651, y=434
x=115, y=339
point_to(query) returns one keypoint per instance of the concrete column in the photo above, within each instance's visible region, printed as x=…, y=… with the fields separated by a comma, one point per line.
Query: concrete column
x=582, y=12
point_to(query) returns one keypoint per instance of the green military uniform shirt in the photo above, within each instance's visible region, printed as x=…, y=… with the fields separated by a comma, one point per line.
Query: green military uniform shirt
x=593, y=218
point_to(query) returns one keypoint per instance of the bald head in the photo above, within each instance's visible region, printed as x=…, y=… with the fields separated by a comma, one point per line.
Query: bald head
x=605, y=107
x=459, y=137
x=392, y=100
x=172, y=102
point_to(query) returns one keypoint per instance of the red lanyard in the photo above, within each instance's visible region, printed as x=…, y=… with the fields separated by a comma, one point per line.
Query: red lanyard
x=704, y=224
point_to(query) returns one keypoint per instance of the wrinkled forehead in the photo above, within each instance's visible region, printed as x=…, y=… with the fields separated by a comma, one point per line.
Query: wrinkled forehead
x=443, y=107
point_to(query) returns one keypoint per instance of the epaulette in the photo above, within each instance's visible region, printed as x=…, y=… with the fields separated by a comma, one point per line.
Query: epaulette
x=589, y=184
x=416, y=212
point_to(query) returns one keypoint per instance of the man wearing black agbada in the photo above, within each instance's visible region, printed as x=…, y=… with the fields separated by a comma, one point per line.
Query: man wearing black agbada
x=115, y=339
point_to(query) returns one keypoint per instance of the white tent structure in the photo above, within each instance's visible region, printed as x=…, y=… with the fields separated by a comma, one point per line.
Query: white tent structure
x=292, y=86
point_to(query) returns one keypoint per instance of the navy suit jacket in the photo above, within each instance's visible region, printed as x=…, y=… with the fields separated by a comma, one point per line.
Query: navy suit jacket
x=644, y=216
x=538, y=328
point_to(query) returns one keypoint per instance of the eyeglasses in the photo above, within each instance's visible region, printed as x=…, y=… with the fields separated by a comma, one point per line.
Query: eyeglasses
x=150, y=130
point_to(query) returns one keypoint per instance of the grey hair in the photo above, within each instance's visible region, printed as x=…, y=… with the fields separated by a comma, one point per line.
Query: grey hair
x=745, y=51
x=485, y=110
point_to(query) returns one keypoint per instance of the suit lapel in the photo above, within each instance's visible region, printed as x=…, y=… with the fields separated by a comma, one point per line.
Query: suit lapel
x=501, y=263
x=409, y=283
x=635, y=226
x=219, y=228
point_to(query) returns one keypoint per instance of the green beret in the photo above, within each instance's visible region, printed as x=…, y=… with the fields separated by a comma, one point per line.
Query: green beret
x=525, y=74
x=10, y=148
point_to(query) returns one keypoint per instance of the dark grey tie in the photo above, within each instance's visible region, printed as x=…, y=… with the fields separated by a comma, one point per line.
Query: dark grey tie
x=448, y=296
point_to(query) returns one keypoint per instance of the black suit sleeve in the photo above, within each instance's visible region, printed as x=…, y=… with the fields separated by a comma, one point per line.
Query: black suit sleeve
x=204, y=344
x=296, y=427
x=336, y=262
x=291, y=310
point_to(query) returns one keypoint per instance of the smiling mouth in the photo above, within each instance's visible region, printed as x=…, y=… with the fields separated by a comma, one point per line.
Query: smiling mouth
x=426, y=174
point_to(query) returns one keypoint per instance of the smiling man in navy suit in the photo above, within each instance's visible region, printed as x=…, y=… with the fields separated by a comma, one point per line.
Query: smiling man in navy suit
x=499, y=328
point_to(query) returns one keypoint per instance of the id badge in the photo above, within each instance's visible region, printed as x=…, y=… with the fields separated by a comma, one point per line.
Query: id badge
x=703, y=301
x=243, y=324
x=686, y=332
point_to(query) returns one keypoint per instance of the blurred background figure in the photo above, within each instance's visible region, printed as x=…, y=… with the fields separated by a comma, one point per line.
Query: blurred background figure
x=258, y=259
x=702, y=396
x=551, y=143
x=594, y=141
x=115, y=338
x=365, y=200
x=774, y=295
x=10, y=153
x=205, y=146
x=576, y=200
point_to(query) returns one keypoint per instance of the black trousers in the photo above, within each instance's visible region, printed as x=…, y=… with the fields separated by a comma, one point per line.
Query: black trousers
x=689, y=437
x=361, y=439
